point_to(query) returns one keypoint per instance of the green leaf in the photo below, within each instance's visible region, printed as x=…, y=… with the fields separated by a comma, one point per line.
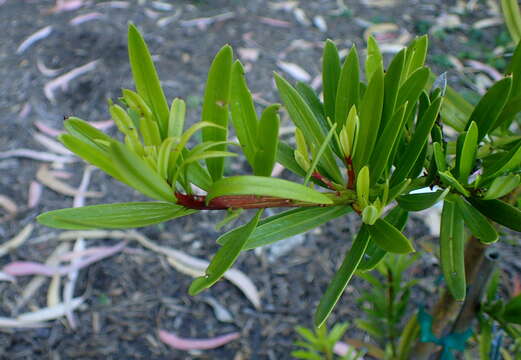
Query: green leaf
x=439, y=156
x=511, y=109
x=199, y=176
x=418, y=141
x=225, y=256
x=506, y=162
x=303, y=118
x=512, y=310
x=291, y=223
x=450, y=180
x=113, y=216
x=499, y=211
x=452, y=244
x=374, y=60
x=391, y=86
x=146, y=79
x=215, y=106
x=92, y=154
x=244, y=117
x=267, y=141
x=490, y=107
x=208, y=155
x=318, y=155
x=512, y=16
x=314, y=103
x=467, y=157
x=419, y=53
x=412, y=88
x=330, y=76
x=285, y=157
x=501, y=186
x=422, y=201
x=342, y=276
x=370, y=116
x=380, y=159
x=85, y=132
x=176, y=120
x=348, y=90
x=266, y=186
x=138, y=174
x=374, y=254
x=389, y=238
x=476, y=222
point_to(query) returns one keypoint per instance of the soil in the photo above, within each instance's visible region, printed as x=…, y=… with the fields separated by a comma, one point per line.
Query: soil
x=132, y=294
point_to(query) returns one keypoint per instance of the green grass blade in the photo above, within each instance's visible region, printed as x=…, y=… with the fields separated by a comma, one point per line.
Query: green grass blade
x=113, y=216
x=215, y=106
x=266, y=186
x=146, y=79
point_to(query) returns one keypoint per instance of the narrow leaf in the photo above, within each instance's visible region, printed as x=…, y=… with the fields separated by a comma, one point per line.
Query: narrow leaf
x=342, y=276
x=113, y=216
x=146, y=79
x=225, y=256
x=391, y=86
x=330, y=77
x=348, y=91
x=499, y=211
x=267, y=141
x=215, y=106
x=468, y=153
x=389, y=238
x=176, y=119
x=422, y=201
x=476, y=222
x=266, y=186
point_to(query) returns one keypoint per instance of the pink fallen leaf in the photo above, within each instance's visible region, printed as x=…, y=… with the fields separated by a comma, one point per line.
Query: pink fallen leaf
x=45, y=70
x=48, y=130
x=64, y=5
x=493, y=73
x=187, y=344
x=63, y=80
x=294, y=71
x=48, y=178
x=34, y=194
x=37, y=155
x=23, y=268
x=31, y=39
x=52, y=144
x=24, y=111
x=274, y=22
x=10, y=207
x=80, y=19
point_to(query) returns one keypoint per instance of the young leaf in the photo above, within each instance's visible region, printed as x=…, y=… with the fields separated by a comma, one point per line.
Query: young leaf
x=225, y=256
x=490, y=106
x=286, y=157
x=176, y=120
x=113, y=216
x=266, y=186
x=146, y=79
x=267, y=141
x=138, y=174
x=418, y=141
x=439, y=156
x=499, y=211
x=506, y=162
x=290, y=223
x=348, y=90
x=419, y=53
x=244, y=117
x=370, y=116
x=318, y=154
x=452, y=243
x=511, y=14
x=342, y=276
x=412, y=88
x=215, y=106
x=477, y=223
x=450, y=180
x=330, y=76
x=303, y=118
x=163, y=157
x=422, y=201
x=467, y=157
x=389, y=238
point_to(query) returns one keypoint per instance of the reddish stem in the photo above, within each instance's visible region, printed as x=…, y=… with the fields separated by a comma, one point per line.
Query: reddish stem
x=198, y=202
x=325, y=180
x=350, y=173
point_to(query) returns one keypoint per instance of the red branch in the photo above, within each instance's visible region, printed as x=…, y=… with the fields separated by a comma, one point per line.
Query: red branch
x=198, y=202
x=350, y=173
x=324, y=179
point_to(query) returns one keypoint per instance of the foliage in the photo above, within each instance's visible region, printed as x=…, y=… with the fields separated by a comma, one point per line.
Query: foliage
x=367, y=146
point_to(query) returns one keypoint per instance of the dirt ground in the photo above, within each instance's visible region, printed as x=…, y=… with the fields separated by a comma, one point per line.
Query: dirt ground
x=131, y=295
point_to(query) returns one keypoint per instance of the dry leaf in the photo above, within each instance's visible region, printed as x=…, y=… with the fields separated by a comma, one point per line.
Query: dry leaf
x=80, y=19
x=379, y=3
x=36, y=155
x=320, y=23
x=17, y=240
x=221, y=313
x=34, y=194
x=488, y=22
x=284, y=5
x=52, y=145
x=294, y=71
x=63, y=80
x=195, y=344
x=248, y=54
x=10, y=207
x=301, y=17
x=47, y=178
x=13, y=323
x=49, y=313
x=37, y=36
